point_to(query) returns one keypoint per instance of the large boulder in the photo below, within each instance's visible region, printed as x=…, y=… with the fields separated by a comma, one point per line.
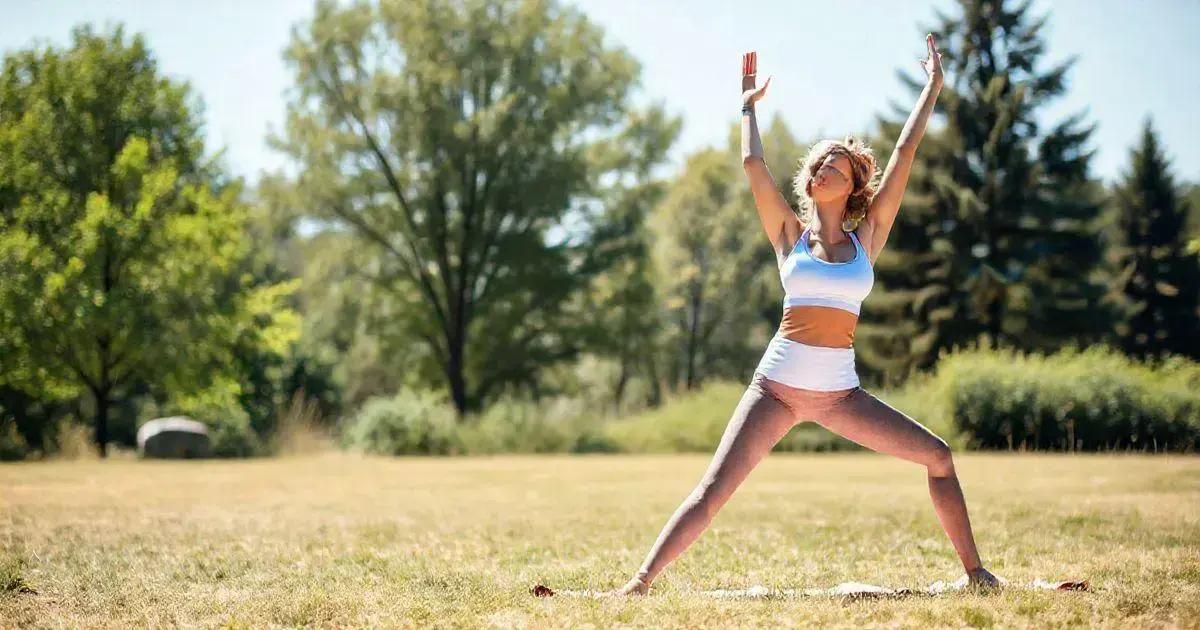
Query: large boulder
x=177, y=437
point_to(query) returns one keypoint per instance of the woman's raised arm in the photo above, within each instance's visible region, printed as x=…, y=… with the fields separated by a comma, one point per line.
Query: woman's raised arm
x=881, y=215
x=773, y=209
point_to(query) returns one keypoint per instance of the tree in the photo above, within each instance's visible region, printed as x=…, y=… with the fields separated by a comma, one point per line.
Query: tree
x=620, y=306
x=709, y=262
x=1156, y=279
x=121, y=253
x=1193, y=204
x=453, y=141
x=997, y=238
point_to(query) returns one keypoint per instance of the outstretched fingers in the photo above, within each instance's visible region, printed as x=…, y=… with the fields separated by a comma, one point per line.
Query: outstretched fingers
x=749, y=63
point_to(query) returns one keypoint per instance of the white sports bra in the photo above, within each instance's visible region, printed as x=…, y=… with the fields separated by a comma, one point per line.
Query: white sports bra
x=808, y=280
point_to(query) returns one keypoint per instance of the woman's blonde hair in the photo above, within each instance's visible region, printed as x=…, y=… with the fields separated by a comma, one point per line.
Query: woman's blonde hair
x=863, y=170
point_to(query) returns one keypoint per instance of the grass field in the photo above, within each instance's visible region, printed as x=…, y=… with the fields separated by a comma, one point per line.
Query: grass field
x=335, y=540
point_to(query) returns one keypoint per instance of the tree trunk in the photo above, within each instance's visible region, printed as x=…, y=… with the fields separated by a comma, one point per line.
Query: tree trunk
x=657, y=386
x=693, y=338
x=622, y=381
x=454, y=373
x=102, y=404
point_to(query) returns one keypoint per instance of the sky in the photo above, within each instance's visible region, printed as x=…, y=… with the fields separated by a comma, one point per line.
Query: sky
x=834, y=63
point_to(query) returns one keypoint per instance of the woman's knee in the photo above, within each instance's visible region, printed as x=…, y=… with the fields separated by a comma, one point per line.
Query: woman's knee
x=940, y=459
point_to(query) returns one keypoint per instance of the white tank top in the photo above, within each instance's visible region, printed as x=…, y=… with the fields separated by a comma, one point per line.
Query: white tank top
x=808, y=280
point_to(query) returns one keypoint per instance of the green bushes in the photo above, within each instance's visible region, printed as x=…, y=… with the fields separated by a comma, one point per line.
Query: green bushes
x=229, y=431
x=12, y=444
x=694, y=422
x=523, y=426
x=1091, y=399
x=423, y=422
x=689, y=422
x=411, y=422
x=231, y=434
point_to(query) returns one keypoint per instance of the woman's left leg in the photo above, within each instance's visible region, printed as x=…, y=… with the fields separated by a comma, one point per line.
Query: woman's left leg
x=867, y=420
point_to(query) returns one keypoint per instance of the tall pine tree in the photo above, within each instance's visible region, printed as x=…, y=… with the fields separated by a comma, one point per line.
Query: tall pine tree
x=996, y=238
x=1156, y=280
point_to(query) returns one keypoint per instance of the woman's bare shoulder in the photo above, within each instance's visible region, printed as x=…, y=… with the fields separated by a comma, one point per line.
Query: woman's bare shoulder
x=866, y=235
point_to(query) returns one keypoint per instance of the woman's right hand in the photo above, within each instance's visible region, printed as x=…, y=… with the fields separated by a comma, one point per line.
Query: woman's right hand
x=751, y=94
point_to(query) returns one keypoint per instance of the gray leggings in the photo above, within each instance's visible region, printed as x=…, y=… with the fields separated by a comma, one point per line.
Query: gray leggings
x=766, y=412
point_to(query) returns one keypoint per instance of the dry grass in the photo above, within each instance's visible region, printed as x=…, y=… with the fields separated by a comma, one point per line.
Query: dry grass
x=335, y=540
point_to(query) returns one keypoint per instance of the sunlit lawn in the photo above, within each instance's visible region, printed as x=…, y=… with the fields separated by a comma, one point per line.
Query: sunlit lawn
x=341, y=540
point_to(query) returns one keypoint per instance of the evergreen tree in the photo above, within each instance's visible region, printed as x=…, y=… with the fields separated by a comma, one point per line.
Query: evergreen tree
x=996, y=240
x=1156, y=280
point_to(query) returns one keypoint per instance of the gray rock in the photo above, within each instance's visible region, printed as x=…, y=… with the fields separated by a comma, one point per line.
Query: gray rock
x=176, y=437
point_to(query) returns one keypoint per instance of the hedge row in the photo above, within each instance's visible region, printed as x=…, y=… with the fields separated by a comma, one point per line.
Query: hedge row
x=1091, y=399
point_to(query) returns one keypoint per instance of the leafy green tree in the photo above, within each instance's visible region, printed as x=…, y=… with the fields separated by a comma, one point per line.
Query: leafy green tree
x=997, y=238
x=271, y=381
x=1156, y=280
x=455, y=141
x=708, y=260
x=122, y=255
x=621, y=305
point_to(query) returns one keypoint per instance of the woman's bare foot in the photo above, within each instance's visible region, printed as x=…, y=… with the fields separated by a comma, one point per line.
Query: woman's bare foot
x=635, y=586
x=982, y=579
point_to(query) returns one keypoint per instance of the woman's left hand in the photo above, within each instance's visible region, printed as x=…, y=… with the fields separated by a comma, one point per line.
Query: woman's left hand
x=933, y=63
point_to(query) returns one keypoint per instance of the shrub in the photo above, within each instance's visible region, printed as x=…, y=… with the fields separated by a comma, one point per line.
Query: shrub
x=1090, y=399
x=695, y=421
x=410, y=422
x=12, y=445
x=231, y=434
x=74, y=440
x=300, y=427
x=229, y=430
x=518, y=425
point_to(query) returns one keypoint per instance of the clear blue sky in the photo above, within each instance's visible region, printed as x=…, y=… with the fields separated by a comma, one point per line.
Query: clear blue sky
x=1135, y=58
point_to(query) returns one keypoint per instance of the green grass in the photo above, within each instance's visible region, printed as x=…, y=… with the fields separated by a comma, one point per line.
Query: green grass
x=336, y=540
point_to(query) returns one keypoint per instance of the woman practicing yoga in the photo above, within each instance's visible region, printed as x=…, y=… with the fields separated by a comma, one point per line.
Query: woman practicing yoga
x=826, y=259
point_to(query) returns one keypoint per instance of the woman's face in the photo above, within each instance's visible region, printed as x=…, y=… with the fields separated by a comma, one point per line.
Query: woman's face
x=834, y=178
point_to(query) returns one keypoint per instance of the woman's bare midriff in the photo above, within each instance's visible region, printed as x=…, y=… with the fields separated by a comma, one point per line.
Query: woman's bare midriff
x=825, y=326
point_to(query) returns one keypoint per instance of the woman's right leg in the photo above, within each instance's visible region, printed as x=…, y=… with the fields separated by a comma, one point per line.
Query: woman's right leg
x=759, y=421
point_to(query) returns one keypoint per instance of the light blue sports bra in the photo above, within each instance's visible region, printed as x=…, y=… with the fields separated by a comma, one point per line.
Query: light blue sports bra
x=808, y=280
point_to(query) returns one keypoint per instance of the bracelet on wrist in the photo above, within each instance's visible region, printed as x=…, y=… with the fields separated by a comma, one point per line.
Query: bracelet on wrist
x=748, y=109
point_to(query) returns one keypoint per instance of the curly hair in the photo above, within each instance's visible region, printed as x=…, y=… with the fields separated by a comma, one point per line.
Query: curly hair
x=864, y=171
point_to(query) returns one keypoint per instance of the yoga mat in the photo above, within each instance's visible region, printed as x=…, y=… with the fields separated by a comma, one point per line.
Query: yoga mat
x=845, y=590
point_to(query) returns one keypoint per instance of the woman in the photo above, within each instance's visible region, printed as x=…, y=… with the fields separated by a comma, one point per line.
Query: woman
x=826, y=257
